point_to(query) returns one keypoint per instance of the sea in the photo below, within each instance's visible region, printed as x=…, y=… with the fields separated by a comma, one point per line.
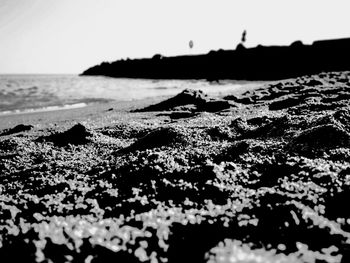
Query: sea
x=33, y=93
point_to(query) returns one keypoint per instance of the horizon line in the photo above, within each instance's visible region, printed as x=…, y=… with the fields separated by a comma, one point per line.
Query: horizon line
x=43, y=73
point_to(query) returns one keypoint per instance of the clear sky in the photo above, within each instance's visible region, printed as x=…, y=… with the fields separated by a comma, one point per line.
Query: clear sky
x=68, y=36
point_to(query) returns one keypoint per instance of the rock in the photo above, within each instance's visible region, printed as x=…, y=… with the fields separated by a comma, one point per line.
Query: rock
x=16, y=129
x=186, y=97
x=76, y=135
x=193, y=100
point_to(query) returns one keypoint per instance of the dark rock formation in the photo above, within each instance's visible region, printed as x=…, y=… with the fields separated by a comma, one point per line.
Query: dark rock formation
x=259, y=63
x=189, y=100
x=16, y=129
x=186, y=97
x=76, y=135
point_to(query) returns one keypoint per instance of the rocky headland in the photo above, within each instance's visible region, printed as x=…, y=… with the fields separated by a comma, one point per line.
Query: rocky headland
x=258, y=63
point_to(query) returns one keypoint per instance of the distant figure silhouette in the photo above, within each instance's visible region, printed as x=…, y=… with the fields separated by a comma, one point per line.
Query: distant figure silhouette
x=240, y=46
x=191, y=44
x=244, y=36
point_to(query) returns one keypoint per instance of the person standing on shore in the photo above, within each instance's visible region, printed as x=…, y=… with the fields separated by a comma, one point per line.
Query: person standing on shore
x=244, y=36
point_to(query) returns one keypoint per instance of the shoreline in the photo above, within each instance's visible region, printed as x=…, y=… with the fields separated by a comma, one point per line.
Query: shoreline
x=38, y=116
x=70, y=115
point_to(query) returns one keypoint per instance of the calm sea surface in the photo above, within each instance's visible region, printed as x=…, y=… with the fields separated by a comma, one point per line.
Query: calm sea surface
x=27, y=93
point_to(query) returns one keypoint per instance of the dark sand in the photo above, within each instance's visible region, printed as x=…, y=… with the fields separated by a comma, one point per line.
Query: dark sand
x=258, y=176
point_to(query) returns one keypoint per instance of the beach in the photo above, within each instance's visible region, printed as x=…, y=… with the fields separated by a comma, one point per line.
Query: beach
x=257, y=174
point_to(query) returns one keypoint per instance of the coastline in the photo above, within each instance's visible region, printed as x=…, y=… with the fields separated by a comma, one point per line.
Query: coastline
x=96, y=111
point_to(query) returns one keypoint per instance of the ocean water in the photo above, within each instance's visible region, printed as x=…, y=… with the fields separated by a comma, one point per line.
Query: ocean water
x=29, y=93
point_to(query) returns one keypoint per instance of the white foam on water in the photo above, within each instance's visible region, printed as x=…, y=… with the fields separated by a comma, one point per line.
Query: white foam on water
x=36, y=93
x=45, y=109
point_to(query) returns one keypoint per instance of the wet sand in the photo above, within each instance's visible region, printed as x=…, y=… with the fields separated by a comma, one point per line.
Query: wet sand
x=261, y=175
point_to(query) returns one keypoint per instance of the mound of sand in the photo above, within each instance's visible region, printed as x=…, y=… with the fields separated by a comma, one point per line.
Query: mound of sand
x=16, y=129
x=267, y=181
x=190, y=101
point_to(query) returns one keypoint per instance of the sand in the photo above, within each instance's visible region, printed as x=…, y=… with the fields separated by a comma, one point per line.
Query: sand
x=257, y=176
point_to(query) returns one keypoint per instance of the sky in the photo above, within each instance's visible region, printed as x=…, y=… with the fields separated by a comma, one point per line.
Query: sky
x=69, y=36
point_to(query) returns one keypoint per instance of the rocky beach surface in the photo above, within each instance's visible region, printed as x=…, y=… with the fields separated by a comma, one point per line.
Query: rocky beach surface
x=260, y=176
